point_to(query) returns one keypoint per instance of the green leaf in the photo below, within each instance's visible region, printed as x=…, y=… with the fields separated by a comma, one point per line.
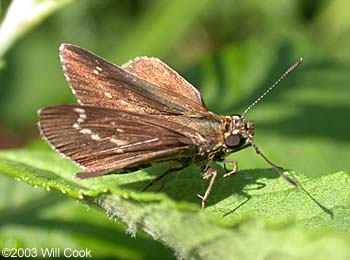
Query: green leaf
x=253, y=215
x=35, y=218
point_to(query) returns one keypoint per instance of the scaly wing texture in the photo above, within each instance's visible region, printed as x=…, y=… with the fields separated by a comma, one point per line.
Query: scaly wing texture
x=95, y=81
x=103, y=140
x=157, y=72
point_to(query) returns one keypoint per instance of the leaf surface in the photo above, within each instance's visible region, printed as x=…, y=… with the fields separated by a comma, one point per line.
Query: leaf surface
x=252, y=215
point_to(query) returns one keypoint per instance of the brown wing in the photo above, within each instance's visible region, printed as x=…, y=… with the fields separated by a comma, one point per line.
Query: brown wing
x=157, y=72
x=95, y=81
x=103, y=140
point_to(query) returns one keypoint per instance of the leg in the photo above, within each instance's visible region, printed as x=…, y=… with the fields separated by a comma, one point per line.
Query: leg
x=162, y=176
x=163, y=183
x=230, y=172
x=210, y=172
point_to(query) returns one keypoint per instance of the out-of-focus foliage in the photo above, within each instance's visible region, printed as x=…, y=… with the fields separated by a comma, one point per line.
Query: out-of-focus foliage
x=230, y=50
x=21, y=16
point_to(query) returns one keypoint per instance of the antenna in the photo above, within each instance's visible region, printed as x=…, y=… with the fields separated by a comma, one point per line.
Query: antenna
x=278, y=169
x=289, y=70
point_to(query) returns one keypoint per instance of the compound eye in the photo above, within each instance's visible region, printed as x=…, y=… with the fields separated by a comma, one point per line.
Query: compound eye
x=233, y=140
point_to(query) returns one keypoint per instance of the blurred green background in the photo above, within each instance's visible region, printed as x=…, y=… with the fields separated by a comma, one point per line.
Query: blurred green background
x=230, y=50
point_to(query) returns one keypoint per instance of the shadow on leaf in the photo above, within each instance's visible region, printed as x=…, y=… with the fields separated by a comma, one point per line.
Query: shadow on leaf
x=186, y=184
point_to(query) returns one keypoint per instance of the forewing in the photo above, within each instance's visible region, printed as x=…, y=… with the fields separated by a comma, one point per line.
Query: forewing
x=105, y=141
x=95, y=81
x=157, y=72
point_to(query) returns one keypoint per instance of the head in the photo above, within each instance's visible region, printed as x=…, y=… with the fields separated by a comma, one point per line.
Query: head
x=239, y=133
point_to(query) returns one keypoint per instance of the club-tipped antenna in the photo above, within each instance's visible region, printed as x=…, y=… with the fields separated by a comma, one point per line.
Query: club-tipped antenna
x=289, y=70
x=278, y=169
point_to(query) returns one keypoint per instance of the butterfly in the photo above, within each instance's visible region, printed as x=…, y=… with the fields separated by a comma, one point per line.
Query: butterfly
x=141, y=113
